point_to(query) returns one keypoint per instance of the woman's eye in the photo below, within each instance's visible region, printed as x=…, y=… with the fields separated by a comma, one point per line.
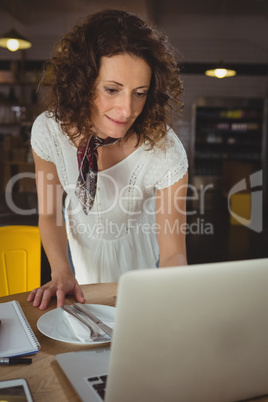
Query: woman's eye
x=141, y=94
x=111, y=91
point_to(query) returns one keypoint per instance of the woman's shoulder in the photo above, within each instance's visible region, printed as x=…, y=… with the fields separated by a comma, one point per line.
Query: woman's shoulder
x=168, y=151
x=46, y=130
x=44, y=119
x=46, y=126
x=170, y=145
x=169, y=162
x=172, y=139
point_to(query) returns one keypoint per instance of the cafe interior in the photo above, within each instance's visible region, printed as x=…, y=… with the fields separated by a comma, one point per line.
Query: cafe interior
x=223, y=48
x=223, y=127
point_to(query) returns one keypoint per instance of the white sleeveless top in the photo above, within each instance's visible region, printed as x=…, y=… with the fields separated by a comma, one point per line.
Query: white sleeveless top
x=120, y=232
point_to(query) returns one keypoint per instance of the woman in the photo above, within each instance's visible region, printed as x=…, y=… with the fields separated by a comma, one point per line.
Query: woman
x=105, y=143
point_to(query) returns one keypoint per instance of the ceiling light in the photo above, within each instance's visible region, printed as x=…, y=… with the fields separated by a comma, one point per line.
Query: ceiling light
x=13, y=41
x=220, y=72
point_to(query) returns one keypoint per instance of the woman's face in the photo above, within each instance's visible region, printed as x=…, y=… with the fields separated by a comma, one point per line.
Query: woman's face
x=120, y=94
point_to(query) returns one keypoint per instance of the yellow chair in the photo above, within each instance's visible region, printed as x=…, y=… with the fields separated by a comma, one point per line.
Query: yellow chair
x=20, y=259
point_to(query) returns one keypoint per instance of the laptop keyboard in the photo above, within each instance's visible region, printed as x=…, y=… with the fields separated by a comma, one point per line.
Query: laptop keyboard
x=99, y=384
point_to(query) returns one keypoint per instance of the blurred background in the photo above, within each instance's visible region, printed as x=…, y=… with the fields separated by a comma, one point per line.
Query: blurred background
x=223, y=128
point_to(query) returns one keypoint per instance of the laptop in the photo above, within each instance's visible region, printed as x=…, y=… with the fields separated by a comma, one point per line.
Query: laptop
x=192, y=334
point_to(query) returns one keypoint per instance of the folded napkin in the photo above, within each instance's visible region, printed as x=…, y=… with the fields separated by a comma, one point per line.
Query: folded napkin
x=81, y=332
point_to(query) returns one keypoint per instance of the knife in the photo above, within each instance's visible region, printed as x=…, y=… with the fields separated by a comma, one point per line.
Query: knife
x=105, y=328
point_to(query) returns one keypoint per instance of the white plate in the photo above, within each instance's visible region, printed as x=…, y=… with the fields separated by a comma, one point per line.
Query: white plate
x=54, y=324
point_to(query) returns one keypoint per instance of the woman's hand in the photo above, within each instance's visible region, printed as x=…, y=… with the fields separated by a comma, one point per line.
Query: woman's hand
x=56, y=287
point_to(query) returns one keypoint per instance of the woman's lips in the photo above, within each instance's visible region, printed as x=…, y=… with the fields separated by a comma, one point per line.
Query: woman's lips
x=117, y=122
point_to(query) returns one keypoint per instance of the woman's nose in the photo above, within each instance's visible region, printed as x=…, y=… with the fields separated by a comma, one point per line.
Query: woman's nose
x=125, y=106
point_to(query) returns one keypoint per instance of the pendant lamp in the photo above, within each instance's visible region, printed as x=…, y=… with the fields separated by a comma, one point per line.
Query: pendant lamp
x=13, y=41
x=220, y=71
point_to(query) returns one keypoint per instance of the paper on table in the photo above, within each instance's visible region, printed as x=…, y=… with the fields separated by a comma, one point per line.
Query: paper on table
x=17, y=337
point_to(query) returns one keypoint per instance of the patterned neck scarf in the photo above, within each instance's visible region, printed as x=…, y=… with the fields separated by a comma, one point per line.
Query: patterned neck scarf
x=87, y=157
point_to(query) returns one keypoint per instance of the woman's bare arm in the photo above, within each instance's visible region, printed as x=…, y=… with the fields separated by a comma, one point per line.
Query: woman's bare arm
x=171, y=221
x=54, y=238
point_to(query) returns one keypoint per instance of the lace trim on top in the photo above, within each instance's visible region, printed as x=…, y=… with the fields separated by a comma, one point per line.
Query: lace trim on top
x=39, y=150
x=173, y=176
x=64, y=179
x=131, y=190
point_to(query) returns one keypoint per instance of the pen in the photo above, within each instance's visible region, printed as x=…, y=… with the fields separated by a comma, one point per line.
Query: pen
x=10, y=361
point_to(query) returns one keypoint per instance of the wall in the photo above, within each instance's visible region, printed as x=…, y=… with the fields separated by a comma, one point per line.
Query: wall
x=44, y=25
x=209, y=38
x=199, y=38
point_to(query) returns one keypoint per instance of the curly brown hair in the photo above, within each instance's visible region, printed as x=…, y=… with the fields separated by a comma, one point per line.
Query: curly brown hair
x=71, y=73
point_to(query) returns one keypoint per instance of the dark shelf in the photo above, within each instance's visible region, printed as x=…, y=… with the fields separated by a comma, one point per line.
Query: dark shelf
x=226, y=134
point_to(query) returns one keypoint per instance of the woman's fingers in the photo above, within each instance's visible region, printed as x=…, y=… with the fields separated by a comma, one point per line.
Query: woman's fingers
x=31, y=295
x=35, y=296
x=45, y=298
x=42, y=296
x=78, y=294
x=60, y=297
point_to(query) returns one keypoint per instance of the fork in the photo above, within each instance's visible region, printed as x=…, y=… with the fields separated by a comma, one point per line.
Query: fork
x=95, y=336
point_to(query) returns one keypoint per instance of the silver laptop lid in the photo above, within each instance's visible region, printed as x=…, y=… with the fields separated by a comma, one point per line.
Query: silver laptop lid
x=196, y=333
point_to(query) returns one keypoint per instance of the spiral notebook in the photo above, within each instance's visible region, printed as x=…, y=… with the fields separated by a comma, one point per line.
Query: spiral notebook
x=16, y=335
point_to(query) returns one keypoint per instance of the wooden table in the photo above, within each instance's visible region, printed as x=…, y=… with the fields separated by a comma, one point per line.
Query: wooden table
x=45, y=377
